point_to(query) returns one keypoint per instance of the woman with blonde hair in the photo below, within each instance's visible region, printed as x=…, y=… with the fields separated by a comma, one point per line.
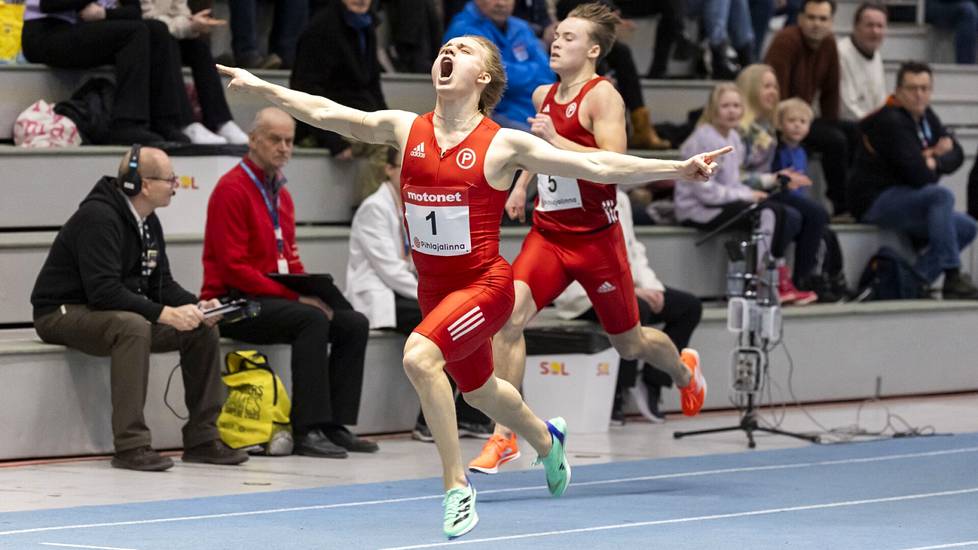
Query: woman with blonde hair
x=725, y=196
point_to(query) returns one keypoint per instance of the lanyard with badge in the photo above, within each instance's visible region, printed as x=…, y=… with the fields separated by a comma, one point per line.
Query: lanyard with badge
x=283, y=264
x=924, y=133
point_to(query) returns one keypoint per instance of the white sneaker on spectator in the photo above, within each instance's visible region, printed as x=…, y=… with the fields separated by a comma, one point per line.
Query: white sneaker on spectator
x=640, y=397
x=200, y=135
x=233, y=133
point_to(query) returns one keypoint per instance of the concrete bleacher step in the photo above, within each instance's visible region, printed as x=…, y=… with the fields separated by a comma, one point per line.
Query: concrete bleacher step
x=700, y=270
x=322, y=188
x=668, y=100
x=58, y=400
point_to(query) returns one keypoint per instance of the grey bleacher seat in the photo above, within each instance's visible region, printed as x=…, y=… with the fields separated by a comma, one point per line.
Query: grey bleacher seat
x=57, y=400
x=671, y=250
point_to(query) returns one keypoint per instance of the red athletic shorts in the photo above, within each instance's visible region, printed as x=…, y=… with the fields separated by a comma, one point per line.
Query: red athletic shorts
x=549, y=261
x=461, y=313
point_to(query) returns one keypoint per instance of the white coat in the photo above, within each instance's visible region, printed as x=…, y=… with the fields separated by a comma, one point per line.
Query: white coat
x=379, y=264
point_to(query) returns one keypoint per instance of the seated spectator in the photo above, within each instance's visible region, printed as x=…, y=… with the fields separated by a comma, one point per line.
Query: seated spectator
x=793, y=119
x=382, y=283
x=657, y=303
x=250, y=233
x=190, y=32
x=81, y=34
x=806, y=63
x=896, y=181
x=415, y=34
x=765, y=160
x=526, y=64
x=726, y=23
x=668, y=32
x=962, y=17
x=288, y=20
x=337, y=58
x=862, y=82
x=724, y=197
x=105, y=289
x=619, y=66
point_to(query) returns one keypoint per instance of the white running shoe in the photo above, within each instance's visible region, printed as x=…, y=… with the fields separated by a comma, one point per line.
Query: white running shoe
x=200, y=135
x=640, y=397
x=233, y=133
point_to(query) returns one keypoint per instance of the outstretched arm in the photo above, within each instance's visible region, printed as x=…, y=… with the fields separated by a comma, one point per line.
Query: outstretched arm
x=382, y=127
x=531, y=153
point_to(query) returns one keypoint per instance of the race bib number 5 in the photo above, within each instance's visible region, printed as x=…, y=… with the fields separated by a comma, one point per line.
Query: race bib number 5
x=557, y=193
x=438, y=220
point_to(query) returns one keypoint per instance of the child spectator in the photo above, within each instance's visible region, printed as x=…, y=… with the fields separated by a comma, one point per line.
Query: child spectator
x=710, y=205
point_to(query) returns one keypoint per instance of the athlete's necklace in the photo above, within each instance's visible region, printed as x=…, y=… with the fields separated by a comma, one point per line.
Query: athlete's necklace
x=571, y=86
x=457, y=120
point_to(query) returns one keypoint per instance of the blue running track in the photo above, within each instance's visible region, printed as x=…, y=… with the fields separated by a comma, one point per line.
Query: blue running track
x=896, y=494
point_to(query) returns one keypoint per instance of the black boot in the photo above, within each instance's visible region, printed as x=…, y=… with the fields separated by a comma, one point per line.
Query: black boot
x=958, y=286
x=722, y=67
x=745, y=56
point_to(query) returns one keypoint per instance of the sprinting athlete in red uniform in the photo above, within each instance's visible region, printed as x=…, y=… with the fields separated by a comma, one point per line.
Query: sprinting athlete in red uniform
x=576, y=235
x=457, y=166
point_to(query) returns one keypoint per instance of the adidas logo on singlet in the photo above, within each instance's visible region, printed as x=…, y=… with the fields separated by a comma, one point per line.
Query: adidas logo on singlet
x=605, y=288
x=418, y=151
x=546, y=108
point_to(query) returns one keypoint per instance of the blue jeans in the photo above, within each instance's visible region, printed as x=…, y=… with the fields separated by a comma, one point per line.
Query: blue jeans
x=761, y=12
x=962, y=16
x=721, y=17
x=289, y=21
x=925, y=213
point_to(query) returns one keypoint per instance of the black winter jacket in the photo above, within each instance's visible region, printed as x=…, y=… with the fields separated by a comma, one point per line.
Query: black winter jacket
x=890, y=154
x=97, y=258
x=328, y=63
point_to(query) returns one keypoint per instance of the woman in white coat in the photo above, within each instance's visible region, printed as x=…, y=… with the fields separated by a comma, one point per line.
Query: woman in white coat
x=382, y=284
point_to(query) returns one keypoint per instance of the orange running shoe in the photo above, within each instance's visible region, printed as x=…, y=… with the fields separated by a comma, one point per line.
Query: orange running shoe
x=694, y=394
x=497, y=451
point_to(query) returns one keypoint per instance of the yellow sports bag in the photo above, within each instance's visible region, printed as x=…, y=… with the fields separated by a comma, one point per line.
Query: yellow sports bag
x=257, y=405
x=11, y=25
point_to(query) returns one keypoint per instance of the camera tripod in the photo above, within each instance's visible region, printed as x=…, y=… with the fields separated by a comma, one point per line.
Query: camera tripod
x=753, y=312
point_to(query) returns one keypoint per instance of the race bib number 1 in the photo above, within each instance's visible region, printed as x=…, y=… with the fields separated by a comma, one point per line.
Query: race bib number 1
x=558, y=193
x=438, y=220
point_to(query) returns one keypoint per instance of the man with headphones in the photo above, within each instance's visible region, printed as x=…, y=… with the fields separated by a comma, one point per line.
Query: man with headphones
x=106, y=290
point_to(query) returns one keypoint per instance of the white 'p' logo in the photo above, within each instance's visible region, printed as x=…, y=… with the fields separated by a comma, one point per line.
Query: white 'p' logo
x=465, y=158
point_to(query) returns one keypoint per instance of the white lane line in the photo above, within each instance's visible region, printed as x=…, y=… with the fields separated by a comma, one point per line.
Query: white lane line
x=694, y=518
x=489, y=491
x=84, y=546
x=951, y=545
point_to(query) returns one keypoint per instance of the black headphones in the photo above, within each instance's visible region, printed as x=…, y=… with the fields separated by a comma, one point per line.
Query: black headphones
x=131, y=183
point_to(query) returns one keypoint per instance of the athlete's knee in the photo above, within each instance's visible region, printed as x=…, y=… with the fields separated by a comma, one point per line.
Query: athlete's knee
x=421, y=358
x=629, y=345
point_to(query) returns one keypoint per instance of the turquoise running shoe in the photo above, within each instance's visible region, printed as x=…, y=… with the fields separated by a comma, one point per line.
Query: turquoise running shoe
x=460, y=516
x=556, y=465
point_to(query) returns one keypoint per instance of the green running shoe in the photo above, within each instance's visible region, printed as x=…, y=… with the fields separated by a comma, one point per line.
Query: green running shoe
x=556, y=465
x=460, y=516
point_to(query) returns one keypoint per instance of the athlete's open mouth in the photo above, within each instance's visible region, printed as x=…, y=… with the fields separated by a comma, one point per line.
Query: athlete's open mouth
x=446, y=67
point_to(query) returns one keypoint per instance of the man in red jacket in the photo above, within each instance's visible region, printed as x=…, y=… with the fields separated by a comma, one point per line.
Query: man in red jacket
x=251, y=232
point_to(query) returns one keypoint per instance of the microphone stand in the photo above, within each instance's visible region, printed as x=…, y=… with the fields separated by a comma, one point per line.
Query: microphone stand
x=754, y=312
